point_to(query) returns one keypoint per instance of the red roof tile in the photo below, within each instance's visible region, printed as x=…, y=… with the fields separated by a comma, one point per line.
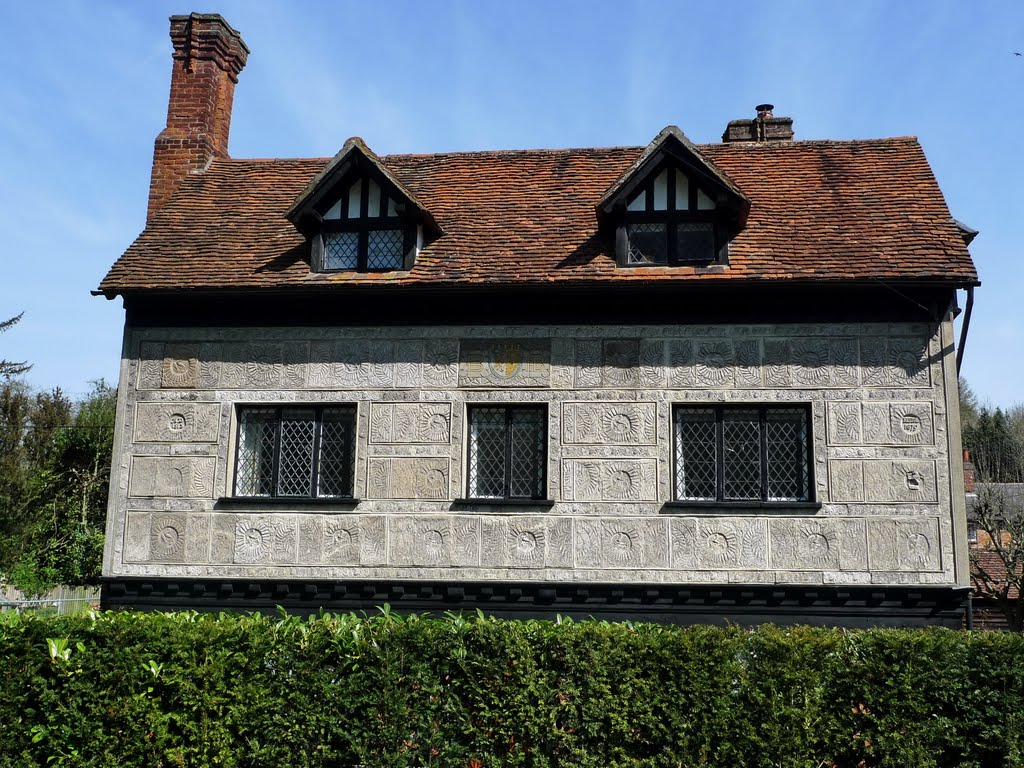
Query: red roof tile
x=820, y=211
x=992, y=565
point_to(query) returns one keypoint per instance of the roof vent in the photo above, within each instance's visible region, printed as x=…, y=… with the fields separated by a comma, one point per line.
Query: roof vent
x=765, y=127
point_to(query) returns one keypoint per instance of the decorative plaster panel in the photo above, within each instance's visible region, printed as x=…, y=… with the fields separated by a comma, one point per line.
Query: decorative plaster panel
x=434, y=540
x=180, y=367
x=719, y=543
x=624, y=423
x=410, y=422
x=408, y=478
x=904, y=544
x=628, y=542
x=880, y=423
x=184, y=422
x=609, y=479
x=822, y=543
x=526, y=542
x=172, y=476
x=504, y=362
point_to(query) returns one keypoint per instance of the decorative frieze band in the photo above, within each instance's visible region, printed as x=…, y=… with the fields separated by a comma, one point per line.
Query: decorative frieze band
x=536, y=542
x=624, y=363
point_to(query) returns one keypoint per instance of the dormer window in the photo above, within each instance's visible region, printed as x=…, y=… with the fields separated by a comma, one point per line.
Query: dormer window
x=672, y=207
x=358, y=217
x=363, y=231
x=671, y=220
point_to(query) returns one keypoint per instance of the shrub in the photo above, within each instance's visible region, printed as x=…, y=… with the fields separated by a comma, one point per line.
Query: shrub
x=187, y=689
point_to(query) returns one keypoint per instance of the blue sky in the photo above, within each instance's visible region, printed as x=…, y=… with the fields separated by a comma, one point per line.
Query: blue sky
x=84, y=88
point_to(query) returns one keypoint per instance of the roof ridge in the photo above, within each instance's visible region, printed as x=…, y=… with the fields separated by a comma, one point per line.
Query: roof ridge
x=909, y=139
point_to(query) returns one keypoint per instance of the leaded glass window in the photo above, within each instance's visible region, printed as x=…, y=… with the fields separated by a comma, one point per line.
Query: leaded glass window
x=670, y=220
x=296, y=452
x=742, y=454
x=506, y=452
x=362, y=230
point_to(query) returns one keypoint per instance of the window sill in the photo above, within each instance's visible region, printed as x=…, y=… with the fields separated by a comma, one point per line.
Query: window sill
x=744, y=507
x=291, y=501
x=503, y=502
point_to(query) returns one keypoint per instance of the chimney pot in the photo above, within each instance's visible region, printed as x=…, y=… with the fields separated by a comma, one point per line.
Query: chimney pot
x=765, y=127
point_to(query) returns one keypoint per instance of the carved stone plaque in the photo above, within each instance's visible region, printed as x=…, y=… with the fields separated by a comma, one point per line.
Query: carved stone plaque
x=177, y=422
x=410, y=422
x=504, y=362
x=609, y=479
x=265, y=539
x=621, y=543
x=408, y=478
x=180, y=368
x=817, y=544
x=526, y=541
x=172, y=476
x=437, y=540
x=719, y=543
x=607, y=423
x=904, y=544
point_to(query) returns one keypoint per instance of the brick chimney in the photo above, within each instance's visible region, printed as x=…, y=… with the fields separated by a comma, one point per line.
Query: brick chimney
x=208, y=55
x=970, y=477
x=765, y=127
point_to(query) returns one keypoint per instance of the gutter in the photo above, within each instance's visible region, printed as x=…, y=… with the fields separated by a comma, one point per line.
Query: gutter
x=964, y=327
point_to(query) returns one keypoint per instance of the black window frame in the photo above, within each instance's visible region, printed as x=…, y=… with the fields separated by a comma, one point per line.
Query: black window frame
x=720, y=411
x=350, y=412
x=362, y=225
x=673, y=219
x=540, y=494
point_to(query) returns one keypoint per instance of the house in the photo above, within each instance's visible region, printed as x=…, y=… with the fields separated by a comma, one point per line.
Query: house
x=996, y=561
x=680, y=382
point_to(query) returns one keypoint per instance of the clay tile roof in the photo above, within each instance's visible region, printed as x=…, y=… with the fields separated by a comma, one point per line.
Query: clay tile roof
x=819, y=211
x=989, y=561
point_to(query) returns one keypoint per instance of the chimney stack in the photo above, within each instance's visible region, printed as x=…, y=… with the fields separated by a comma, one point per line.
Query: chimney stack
x=208, y=55
x=765, y=127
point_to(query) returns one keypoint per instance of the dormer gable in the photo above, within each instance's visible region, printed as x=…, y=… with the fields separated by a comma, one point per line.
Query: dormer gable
x=673, y=206
x=359, y=217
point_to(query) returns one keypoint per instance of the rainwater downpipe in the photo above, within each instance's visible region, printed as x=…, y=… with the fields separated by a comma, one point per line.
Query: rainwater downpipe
x=964, y=327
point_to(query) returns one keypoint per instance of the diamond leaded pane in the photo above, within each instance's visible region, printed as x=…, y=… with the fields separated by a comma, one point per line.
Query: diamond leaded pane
x=741, y=459
x=647, y=244
x=384, y=249
x=341, y=250
x=295, y=465
x=337, y=453
x=786, y=434
x=696, y=466
x=257, y=431
x=695, y=242
x=487, y=452
x=527, y=453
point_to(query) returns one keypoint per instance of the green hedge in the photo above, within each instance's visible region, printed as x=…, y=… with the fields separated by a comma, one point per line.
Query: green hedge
x=126, y=689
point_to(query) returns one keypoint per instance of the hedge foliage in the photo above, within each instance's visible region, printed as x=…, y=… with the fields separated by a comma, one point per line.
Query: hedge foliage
x=127, y=689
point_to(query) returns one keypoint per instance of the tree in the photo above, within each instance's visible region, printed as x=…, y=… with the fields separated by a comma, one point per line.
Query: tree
x=8, y=368
x=968, y=405
x=52, y=514
x=996, y=446
x=1000, y=514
